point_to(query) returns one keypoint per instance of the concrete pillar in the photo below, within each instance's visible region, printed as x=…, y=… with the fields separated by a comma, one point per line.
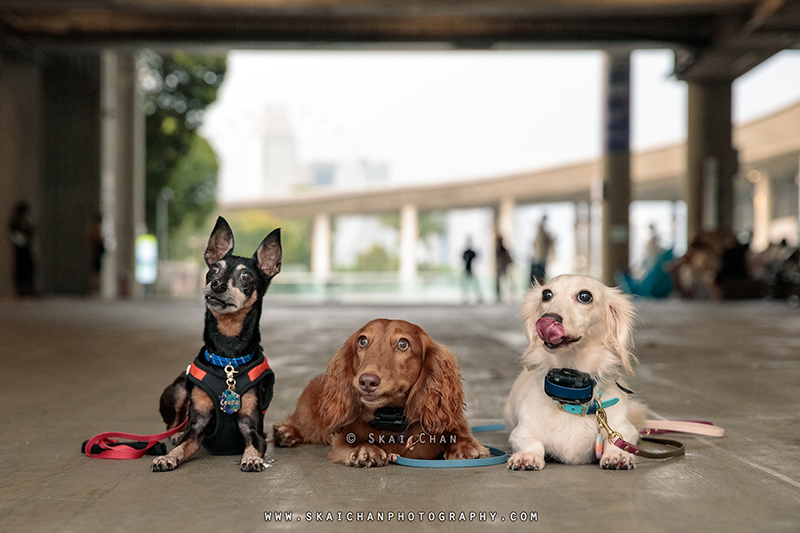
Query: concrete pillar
x=762, y=209
x=321, y=248
x=711, y=160
x=20, y=154
x=505, y=220
x=616, y=192
x=70, y=176
x=583, y=238
x=123, y=181
x=409, y=235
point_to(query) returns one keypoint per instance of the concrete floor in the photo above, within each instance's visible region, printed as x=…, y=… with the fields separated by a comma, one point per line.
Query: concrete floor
x=75, y=368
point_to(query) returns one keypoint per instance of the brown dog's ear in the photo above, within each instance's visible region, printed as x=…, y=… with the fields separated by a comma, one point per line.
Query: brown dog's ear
x=269, y=254
x=530, y=312
x=620, y=314
x=437, y=398
x=220, y=243
x=338, y=401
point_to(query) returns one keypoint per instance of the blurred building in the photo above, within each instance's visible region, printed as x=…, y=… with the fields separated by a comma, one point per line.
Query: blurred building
x=347, y=174
x=274, y=158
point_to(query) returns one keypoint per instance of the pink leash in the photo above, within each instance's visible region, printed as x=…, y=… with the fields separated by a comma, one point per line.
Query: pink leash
x=696, y=427
x=676, y=448
x=124, y=451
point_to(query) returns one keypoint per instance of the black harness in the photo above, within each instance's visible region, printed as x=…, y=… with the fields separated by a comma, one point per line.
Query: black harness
x=226, y=438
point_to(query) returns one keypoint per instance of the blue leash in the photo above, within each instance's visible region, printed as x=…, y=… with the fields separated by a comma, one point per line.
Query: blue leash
x=497, y=457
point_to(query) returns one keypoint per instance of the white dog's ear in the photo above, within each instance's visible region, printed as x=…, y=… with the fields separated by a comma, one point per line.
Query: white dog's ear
x=530, y=312
x=620, y=314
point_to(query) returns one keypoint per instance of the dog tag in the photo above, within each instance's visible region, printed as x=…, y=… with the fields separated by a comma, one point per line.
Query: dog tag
x=230, y=402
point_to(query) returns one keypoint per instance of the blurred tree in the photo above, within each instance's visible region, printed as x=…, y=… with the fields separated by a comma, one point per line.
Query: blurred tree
x=194, y=184
x=177, y=88
x=376, y=259
x=250, y=228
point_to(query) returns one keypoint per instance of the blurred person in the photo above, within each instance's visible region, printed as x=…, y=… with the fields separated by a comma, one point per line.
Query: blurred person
x=502, y=263
x=95, y=245
x=652, y=250
x=20, y=233
x=543, y=246
x=469, y=281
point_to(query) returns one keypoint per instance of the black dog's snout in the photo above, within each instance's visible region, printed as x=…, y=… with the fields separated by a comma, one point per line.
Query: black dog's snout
x=218, y=286
x=554, y=316
x=369, y=382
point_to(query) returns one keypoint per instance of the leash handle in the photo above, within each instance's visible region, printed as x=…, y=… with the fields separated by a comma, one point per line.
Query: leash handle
x=123, y=451
x=695, y=427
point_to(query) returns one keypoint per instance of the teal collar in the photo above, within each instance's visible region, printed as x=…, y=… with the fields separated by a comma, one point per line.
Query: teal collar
x=589, y=408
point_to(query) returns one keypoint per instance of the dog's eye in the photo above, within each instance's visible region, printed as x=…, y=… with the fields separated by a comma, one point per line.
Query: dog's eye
x=362, y=342
x=247, y=276
x=585, y=297
x=214, y=270
x=402, y=345
x=547, y=295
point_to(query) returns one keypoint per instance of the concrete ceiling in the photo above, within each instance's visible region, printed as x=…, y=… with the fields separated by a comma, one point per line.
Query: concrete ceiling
x=713, y=39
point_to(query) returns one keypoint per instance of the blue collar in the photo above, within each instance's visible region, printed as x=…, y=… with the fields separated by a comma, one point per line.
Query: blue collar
x=216, y=360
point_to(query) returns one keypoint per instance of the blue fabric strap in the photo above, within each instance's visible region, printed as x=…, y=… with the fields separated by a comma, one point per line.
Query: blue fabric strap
x=497, y=457
x=216, y=360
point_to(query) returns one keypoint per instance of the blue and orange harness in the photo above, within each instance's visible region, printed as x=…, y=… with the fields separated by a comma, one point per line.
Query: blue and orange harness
x=206, y=372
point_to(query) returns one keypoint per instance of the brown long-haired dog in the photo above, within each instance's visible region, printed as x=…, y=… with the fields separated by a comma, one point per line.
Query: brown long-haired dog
x=392, y=367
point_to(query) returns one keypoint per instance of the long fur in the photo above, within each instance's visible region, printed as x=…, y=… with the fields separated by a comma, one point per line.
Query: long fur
x=605, y=351
x=425, y=381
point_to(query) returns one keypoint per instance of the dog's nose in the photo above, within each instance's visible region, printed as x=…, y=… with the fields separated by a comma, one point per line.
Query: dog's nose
x=554, y=316
x=218, y=286
x=369, y=382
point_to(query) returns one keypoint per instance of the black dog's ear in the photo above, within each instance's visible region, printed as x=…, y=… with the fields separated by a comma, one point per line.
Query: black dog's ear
x=220, y=243
x=269, y=254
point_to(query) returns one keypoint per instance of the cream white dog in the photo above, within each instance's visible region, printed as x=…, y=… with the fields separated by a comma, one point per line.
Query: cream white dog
x=573, y=322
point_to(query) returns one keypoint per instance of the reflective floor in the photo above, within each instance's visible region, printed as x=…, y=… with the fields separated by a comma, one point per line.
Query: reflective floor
x=74, y=368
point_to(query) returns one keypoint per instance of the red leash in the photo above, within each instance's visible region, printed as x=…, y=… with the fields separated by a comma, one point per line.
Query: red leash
x=124, y=451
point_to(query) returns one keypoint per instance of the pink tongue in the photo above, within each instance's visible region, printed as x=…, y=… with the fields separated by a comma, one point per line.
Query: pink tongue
x=550, y=331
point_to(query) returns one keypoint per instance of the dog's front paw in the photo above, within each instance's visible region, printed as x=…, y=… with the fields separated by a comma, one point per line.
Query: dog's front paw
x=176, y=438
x=286, y=435
x=466, y=449
x=165, y=463
x=367, y=455
x=252, y=464
x=526, y=461
x=616, y=459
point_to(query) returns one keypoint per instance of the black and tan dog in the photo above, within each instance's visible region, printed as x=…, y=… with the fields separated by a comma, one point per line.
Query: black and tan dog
x=228, y=386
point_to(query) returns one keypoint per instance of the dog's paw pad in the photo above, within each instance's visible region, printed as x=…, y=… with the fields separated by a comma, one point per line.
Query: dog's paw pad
x=286, y=436
x=618, y=460
x=525, y=461
x=367, y=456
x=468, y=450
x=164, y=463
x=252, y=464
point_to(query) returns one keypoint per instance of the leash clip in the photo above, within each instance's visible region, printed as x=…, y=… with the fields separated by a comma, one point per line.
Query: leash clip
x=602, y=420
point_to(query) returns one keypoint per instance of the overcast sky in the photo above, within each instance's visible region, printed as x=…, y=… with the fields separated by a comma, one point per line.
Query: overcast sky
x=454, y=115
